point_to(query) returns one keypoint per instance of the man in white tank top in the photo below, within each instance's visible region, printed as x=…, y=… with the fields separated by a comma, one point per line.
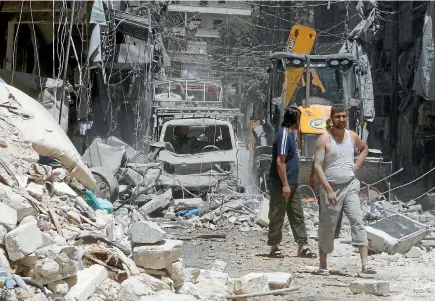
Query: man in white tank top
x=335, y=170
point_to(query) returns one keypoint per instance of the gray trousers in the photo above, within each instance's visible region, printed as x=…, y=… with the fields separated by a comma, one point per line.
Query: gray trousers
x=348, y=201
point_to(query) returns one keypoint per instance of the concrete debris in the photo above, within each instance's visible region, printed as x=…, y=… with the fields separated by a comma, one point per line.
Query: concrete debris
x=88, y=280
x=23, y=241
x=252, y=283
x=157, y=256
x=8, y=217
x=219, y=266
x=155, y=284
x=185, y=204
x=205, y=290
x=159, y=202
x=109, y=289
x=51, y=263
x=176, y=273
x=414, y=252
x=17, y=202
x=278, y=280
x=146, y=233
x=130, y=177
x=191, y=274
x=395, y=234
x=214, y=276
x=370, y=287
x=167, y=296
x=3, y=232
x=133, y=289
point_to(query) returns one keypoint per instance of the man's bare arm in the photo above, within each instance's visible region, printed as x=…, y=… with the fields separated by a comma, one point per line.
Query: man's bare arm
x=280, y=164
x=312, y=175
x=364, y=151
x=319, y=159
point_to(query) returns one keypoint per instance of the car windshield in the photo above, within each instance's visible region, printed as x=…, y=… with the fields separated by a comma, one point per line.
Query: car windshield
x=185, y=139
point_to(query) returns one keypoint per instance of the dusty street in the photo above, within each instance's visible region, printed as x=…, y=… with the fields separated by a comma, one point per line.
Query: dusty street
x=410, y=278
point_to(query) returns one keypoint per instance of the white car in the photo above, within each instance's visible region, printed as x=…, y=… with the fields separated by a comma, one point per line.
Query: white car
x=199, y=155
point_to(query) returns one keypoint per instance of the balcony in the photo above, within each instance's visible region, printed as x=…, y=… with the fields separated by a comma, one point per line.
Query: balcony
x=212, y=8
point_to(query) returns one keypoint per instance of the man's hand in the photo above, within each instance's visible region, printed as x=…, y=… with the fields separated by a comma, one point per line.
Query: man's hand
x=332, y=198
x=286, y=191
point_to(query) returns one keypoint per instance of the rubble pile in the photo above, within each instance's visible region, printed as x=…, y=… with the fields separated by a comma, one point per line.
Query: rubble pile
x=222, y=212
x=58, y=241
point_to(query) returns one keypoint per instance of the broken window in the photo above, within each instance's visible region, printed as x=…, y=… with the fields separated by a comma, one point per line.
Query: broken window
x=198, y=139
x=203, y=3
x=217, y=23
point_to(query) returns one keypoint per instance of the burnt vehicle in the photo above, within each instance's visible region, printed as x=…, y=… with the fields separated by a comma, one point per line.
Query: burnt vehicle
x=198, y=156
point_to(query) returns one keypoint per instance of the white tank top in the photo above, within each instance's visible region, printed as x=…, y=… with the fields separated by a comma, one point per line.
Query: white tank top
x=339, y=161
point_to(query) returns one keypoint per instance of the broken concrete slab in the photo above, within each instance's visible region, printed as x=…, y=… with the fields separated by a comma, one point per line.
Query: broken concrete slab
x=207, y=291
x=370, y=287
x=109, y=289
x=252, y=283
x=20, y=204
x=157, y=256
x=29, y=219
x=155, y=284
x=176, y=273
x=8, y=217
x=215, y=276
x=414, y=252
x=47, y=240
x=145, y=232
x=278, y=280
x=88, y=280
x=191, y=275
x=129, y=176
x=36, y=190
x=62, y=188
x=51, y=264
x=159, y=202
x=133, y=289
x=22, y=241
x=186, y=204
x=395, y=234
x=263, y=214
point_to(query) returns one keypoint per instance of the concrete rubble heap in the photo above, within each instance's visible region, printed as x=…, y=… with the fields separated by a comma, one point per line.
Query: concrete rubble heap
x=54, y=246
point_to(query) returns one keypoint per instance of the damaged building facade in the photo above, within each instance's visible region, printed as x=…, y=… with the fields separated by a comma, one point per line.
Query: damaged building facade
x=96, y=57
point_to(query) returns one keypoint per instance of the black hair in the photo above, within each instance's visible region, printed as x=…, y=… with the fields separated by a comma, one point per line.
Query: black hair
x=337, y=108
x=291, y=117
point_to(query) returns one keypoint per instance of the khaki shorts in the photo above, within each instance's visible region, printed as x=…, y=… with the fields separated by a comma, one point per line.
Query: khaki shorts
x=348, y=200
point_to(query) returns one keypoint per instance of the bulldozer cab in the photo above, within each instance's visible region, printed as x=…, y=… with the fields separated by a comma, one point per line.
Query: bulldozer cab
x=313, y=92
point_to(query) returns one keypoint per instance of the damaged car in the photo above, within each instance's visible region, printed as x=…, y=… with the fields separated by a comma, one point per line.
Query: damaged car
x=197, y=156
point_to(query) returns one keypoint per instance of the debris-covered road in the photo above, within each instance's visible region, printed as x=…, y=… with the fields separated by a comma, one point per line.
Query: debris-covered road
x=409, y=278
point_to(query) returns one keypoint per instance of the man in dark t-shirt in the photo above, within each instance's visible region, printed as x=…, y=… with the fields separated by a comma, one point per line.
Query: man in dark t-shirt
x=282, y=183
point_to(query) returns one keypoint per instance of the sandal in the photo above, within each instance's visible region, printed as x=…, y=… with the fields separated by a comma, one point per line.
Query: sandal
x=276, y=254
x=368, y=270
x=321, y=272
x=306, y=253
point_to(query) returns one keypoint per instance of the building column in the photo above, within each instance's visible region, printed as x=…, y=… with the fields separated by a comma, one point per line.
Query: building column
x=10, y=45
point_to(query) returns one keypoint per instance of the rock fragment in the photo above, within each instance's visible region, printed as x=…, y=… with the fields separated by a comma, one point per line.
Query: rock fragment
x=370, y=287
x=8, y=217
x=157, y=256
x=145, y=232
x=88, y=280
x=22, y=241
